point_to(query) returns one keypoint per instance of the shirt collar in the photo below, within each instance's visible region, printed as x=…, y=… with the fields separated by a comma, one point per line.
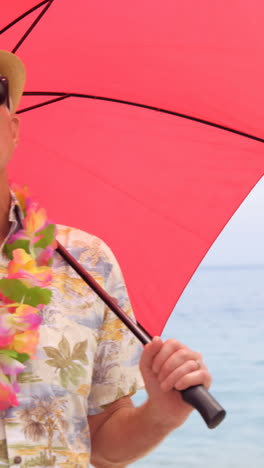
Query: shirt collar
x=15, y=212
x=15, y=217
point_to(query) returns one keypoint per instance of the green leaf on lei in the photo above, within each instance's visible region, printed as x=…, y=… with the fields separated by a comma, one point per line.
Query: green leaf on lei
x=17, y=291
x=18, y=244
x=21, y=357
x=48, y=234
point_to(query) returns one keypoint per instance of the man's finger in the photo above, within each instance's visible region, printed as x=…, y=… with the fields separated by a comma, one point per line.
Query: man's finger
x=169, y=347
x=176, y=360
x=199, y=377
x=171, y=380
x=150, y=351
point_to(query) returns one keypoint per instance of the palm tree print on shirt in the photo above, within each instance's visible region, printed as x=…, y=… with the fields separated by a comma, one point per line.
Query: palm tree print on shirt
x=43, y=420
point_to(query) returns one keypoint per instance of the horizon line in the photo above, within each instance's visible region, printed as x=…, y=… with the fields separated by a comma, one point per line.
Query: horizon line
x=232, y=266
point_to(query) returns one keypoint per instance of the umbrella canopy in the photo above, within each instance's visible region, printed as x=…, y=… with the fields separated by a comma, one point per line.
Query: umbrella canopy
x=158, y=163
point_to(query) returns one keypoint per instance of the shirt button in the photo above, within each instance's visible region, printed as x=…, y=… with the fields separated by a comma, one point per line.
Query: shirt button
x=17, y=460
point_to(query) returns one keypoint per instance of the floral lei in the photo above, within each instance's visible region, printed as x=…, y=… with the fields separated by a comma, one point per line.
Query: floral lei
x=23, y=293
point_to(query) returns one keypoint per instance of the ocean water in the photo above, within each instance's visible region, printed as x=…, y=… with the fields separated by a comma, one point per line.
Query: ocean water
x=221, y=314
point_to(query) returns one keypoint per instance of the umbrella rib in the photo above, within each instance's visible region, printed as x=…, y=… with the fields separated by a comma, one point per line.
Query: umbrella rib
x=35, y=22
x=41, y=104
x=176, y=114
x=134, y=104
x=23, y=16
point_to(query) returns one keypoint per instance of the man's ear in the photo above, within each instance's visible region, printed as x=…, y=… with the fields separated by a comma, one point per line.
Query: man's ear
x=15, y=125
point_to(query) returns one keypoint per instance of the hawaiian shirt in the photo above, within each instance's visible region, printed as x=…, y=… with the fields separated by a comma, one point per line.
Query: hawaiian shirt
x=86, y=359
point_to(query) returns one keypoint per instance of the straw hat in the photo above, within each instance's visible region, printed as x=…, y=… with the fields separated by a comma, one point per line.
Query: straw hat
x=12, y=68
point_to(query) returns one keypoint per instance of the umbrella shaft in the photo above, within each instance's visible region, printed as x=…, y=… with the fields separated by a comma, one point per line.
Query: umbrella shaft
x=197, y=396
x=111, y=302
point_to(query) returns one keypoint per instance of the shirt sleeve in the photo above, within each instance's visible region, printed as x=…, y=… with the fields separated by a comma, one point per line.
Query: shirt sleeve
x=116, y=371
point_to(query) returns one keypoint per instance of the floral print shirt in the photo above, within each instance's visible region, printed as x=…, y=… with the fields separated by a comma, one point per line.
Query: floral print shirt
x=86, y=359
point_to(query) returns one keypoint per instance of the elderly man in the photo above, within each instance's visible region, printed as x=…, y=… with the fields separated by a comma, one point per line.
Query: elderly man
x=74, y=396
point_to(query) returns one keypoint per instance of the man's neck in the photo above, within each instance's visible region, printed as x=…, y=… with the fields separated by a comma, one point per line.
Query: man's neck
x=4, y=206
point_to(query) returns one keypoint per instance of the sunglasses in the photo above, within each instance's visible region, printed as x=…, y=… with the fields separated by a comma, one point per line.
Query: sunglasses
x=4, y=93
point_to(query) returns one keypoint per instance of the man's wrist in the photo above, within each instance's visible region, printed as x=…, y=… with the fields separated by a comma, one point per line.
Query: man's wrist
x=158, y=419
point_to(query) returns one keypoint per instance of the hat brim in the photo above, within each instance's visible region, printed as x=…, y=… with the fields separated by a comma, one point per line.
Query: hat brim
x=12, y=68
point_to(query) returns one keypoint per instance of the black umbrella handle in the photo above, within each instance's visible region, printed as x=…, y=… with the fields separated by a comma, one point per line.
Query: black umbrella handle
x=202, y=400
x=197, y=396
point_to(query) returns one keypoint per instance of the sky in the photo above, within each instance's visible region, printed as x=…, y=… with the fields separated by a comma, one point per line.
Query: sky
x=242, y=240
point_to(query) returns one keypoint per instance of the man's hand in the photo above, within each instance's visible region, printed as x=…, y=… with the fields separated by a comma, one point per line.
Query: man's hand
x=123, y=433
x=168, y=366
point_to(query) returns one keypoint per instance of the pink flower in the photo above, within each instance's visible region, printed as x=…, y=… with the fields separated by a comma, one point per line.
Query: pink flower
x=45, y=257
x=23, y=318
x=23, y=266
x=10, y=366
x=6, y=341
x=7, y=393
x=34, y=221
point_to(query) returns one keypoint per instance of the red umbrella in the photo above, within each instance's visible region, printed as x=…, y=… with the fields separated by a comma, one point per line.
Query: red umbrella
x=168, y=136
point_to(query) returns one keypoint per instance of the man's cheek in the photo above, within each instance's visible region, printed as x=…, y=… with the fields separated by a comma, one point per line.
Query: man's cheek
x=6, y=148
